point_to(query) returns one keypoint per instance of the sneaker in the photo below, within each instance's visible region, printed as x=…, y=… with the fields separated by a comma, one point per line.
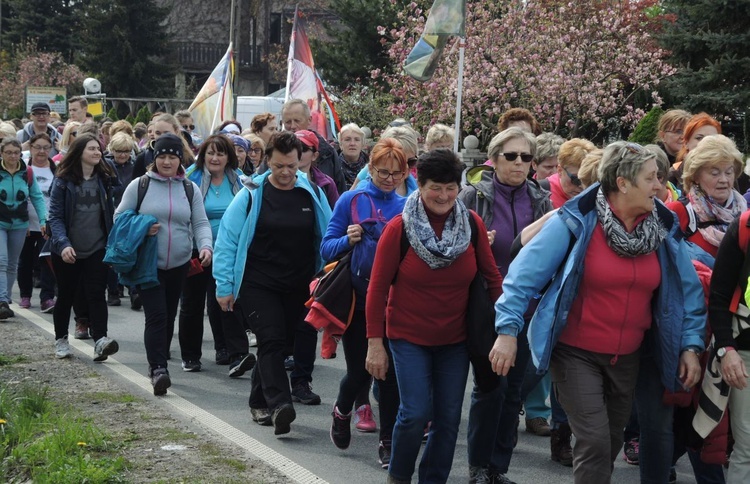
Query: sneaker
x=341, y=432
x=135, y=302
x=261, y=416
x=82, y=328
x=160, y=380
x=113, y=300
x=282, y=417
x=289, y=363
x=5, y=311
x=479, y=475
x=538, y=426
x=384, y=453
x=25, y=302
x=239, y=367
x=630, y=452
x=62, y=348
x=426, y=431
x=191, y=365
x=496, y=477
x=47, y=306
x=302, y=393
x=363, y=420
x=252, y=339
x=104, y=347
x=222, y=356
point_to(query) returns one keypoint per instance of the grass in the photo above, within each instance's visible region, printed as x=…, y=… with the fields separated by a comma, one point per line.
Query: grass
x=217, y=457
x=112, y=397
x=11, y=360
x=41, y=443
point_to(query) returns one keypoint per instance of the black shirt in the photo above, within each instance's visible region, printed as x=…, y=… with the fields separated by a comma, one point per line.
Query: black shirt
x=282, y=254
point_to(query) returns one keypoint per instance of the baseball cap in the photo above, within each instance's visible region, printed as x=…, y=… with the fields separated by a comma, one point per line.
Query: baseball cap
x=40, y=107
x=308, y=138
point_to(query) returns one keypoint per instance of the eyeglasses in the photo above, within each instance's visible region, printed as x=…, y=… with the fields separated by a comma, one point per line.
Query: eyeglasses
x=41, y=148
x=305, y=149
x=188, y=127
x=255, y=151
x=122, y=152
x=511, y=156
x=636, y=149
x=678, y=132
x=11, y=153
x=384, y=174
x=573, y=178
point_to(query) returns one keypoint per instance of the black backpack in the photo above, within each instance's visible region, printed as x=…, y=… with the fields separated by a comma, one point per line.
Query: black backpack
x=143, y=183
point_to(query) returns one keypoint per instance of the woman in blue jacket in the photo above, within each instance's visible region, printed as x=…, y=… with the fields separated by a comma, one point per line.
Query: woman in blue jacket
x=593, y=252
x=375, y=202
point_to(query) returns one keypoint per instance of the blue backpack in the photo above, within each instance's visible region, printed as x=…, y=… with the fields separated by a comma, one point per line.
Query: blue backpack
x=372, y=226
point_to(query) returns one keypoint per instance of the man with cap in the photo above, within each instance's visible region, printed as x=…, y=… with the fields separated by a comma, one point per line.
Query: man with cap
x=295, y=115
x=39, y=124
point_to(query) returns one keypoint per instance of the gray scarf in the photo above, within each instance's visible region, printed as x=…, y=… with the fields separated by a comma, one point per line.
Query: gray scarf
x=644, y=239
x=456, y=237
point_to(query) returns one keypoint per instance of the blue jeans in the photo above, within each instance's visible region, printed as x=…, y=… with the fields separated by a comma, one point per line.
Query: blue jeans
x=427, y=374
x=11, y=243
x=535, y=402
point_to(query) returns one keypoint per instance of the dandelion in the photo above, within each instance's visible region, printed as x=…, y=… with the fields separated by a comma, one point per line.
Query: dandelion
x=82, y=444
x=3, y=421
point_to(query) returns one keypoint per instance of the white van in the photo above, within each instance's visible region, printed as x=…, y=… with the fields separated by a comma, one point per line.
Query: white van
x=250, y=106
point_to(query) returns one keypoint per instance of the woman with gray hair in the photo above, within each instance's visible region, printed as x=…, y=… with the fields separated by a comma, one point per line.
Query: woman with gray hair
x=352, y=141
x=508, y=202
x=545, y=161
x=614, y=264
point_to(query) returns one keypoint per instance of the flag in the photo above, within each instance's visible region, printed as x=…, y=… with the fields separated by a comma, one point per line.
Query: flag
x=303, y=81
x=214, y=104
x=447, y=17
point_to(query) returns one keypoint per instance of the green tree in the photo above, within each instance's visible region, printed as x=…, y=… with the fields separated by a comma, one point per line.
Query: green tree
x=710, y=42
x=112, y=114
x=53, y=25
x=142, y=116
x=646, y=130
x=125, y=45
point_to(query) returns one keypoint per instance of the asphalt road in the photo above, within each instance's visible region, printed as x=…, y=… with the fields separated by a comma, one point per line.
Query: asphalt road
x=308, y=445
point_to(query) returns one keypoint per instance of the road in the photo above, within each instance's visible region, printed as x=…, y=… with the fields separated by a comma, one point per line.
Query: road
x=211, y=398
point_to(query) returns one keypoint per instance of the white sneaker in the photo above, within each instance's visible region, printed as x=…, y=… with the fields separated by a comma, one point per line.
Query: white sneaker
x=62, y=348
x=253, y=341
x=104, y=347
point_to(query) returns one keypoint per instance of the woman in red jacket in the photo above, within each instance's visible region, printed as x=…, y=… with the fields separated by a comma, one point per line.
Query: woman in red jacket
x=427, y=340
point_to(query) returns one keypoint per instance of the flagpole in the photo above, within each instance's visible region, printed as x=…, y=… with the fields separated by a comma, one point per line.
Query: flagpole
x=290, y=60
x=232, y=35
x=459, y=92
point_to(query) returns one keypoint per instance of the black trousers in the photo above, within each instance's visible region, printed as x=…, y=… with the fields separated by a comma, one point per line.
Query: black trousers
x=28, y=261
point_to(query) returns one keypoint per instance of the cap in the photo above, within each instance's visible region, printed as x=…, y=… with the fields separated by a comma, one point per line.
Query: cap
x=40, y=107
x=238, y=140
x=168, y=144
x=308, y=138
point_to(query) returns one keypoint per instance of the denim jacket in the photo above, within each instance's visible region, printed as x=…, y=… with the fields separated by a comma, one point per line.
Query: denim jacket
x=678, y=308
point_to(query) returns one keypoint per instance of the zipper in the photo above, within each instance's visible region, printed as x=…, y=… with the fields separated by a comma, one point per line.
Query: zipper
x=169, y=223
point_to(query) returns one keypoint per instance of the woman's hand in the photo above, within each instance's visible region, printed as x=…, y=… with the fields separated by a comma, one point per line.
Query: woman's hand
x=354, y=232
x=154, y=229
x=733, y=370
x=376, y=362
x=226, y=303
x=205, y=257
x=43, y=230
x=503, y=354
x=68, y=255
x=491, y=236
x=690, y=369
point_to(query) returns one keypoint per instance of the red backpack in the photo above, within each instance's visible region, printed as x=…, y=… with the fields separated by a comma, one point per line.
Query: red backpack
x=744, y=239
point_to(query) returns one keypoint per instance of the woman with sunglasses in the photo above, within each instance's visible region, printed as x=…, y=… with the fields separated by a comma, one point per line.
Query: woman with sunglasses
x=611, y=265
x=507, y=201
x=565, y=184
x=68, y=136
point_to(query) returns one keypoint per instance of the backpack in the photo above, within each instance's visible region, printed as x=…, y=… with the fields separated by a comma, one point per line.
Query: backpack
x=693, y=224
x=143, y=183
x=28, y=176
x=744, y=241
x=372, y=229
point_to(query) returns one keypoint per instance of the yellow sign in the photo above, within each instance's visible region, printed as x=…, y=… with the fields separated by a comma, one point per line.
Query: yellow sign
x=96, y=109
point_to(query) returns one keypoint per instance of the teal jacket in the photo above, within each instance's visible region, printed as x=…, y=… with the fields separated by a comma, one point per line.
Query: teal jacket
x=15, y=191
x=238, y=228
x=131, y=252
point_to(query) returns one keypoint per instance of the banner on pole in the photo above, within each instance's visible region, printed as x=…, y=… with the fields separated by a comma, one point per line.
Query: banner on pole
x=447, y=18
x=214, y=104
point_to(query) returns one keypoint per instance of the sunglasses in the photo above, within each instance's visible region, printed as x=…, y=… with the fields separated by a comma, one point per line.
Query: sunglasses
x=255, y=151
x=573, y=178
x=189, y=127
x=525, y=157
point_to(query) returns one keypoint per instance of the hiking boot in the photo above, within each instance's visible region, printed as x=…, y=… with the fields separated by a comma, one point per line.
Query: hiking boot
x=25, y=303
x=261, y=416
x=160, y=380
x=341, y=432
x=479, y=475
x=363, y=420
x=302, y=393
x=630, y=452
x=238, y=367
x=113, y=300
x=47, y=306
x=104, y=347
x=392, y=480
x=82, y=328
x=560, y=445
x=191, y=365
x=282, y=417
x=222, y=356
x=135, y=302
x=5, y=311
x=62, y=347
x=538, y=426
x=497, y=478
x=384, y=453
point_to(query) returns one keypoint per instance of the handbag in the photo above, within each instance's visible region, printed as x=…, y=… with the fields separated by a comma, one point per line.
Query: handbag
x=480, y=333
x=332, y=297
x=195, y=267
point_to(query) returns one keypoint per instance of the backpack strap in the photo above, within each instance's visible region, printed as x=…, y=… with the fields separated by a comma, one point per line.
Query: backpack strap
x=143, y=183
x=29, y=176
x=249, y=204
x=374, y=213
x=744, y=241
x=188, y=185
x=692, y=226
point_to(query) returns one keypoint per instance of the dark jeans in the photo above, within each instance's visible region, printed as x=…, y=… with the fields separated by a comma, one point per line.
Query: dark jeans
x=195, y=290
x=632, y=429
x=305, y=346
x=28, y=261
x=81, y=282
x=274, y=318
x=389, y=398
x=160, y=309
x=355, y=352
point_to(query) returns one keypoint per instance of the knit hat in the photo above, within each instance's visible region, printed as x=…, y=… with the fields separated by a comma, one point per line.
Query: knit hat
x=238, y=140
x=308, y=138
x=168, y=144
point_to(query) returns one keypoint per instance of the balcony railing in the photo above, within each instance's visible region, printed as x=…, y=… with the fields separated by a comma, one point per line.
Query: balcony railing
x=205, y=56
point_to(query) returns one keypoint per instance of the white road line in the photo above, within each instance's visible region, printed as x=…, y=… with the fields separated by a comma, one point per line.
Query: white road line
x=282, y=464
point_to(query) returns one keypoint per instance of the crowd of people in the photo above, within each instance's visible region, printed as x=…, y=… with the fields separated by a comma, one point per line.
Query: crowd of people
x=618, y=276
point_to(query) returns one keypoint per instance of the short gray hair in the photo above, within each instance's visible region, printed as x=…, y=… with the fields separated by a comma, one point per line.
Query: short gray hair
x=353, y=127
x=514, y=132
x=296, y=102
x=439, y=133
x=622, y=159
x=547, y=146
x=405, y=135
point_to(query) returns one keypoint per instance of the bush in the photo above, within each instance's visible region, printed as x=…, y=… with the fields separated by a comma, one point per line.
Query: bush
x=112, y=114
x=646, y=130
x=143, y=116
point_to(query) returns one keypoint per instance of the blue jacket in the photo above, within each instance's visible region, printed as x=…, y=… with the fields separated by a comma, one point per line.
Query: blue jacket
x=679, y=311
x=14, y=213
x=131, y=252
x=198, y=176
x=238, y=228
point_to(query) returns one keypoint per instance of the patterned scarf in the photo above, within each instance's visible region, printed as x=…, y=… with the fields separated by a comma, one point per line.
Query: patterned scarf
x=713, y=215
x=456, y=237
x=644, y=239
x=352, y=170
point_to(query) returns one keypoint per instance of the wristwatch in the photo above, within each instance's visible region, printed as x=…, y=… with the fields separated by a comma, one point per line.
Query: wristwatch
x=722, y=352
